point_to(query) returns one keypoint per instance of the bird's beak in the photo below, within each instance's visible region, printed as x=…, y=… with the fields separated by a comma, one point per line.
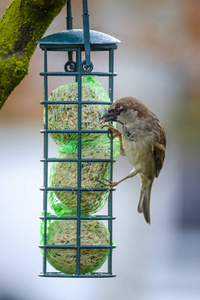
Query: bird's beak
x=108, y=116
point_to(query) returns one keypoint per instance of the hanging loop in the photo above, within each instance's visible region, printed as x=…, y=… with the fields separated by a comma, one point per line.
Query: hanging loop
x=70, y=66
x=86, y=68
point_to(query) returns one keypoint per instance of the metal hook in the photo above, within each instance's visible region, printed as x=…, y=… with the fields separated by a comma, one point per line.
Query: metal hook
x=86, y=65
x=69, y=18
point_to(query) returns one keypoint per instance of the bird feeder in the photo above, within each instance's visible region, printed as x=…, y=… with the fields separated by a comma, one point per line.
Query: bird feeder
x=75, y=240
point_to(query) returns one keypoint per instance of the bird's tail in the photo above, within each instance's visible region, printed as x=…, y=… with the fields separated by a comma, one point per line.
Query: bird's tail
x=144, y=202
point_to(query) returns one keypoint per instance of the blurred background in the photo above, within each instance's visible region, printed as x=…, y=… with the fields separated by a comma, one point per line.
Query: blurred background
x=158, y=63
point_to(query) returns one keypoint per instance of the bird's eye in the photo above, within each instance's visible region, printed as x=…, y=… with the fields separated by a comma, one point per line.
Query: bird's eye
x=118, y=110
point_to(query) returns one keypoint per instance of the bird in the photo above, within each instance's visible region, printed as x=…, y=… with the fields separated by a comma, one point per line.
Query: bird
x=144, y=146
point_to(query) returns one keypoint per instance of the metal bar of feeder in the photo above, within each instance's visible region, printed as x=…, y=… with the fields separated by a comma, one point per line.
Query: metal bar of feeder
x=45, y=155
x=76, y=247
x=79, y=78
x=52, y=102
x=69, y=26
x=73, y=131
x=76, y=160
x=110, y=205
x=86, y=33
x=92, y=275
x=69, y=18
x=77, y=73
x=96, y=217
x=72, y=189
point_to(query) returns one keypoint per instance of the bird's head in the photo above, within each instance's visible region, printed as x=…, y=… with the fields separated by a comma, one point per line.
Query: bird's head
x=125, y=111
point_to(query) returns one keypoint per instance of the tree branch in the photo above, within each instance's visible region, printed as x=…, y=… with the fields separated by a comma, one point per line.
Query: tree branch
x=23, y=23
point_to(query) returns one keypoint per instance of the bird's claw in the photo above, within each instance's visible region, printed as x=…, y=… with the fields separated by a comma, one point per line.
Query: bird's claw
x=116, y=133
x=113, y=129
x=109, y=183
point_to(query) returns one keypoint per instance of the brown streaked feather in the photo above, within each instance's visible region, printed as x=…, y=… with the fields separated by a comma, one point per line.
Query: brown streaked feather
x=159, y=149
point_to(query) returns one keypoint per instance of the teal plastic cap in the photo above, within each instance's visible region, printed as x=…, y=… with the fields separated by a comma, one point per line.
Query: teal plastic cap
x=75, y=37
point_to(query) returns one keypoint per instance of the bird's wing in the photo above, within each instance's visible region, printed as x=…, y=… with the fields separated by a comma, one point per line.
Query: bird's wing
x=159, y=149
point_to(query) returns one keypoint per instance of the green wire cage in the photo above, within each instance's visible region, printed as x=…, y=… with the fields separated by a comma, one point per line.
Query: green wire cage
x=74, y=239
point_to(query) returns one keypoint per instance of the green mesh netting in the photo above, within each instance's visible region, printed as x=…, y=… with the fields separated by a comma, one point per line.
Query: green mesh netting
x=64, y=174
x=66, y=116
x=63, y=232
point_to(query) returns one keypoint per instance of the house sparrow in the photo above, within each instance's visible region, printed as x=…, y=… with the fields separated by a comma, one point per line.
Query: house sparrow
x=144, y=144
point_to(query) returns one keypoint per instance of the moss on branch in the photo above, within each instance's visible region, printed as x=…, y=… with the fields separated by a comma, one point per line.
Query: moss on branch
x=24, y=22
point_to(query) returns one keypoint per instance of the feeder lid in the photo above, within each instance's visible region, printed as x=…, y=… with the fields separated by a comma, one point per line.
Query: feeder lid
x=75, y=37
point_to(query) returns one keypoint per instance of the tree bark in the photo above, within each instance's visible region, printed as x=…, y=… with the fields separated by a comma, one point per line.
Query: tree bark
x=24, y=22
